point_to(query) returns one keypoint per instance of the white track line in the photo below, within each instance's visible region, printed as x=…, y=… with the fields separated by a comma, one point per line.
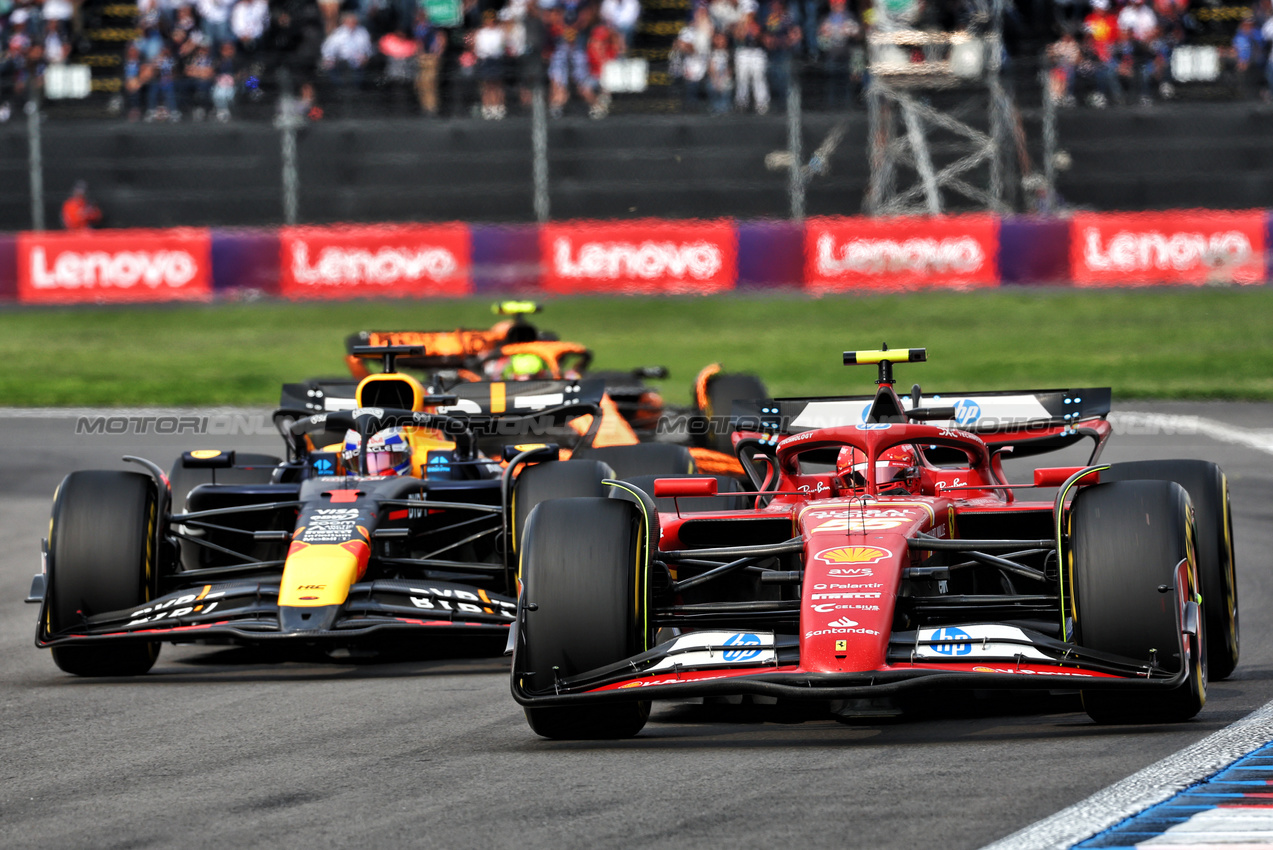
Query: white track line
x=1151, y=786
x=1159, y=423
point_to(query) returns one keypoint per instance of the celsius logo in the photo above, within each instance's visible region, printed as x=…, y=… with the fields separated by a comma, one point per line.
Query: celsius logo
x=952, y=634
x=967, y=412
x=742, y=639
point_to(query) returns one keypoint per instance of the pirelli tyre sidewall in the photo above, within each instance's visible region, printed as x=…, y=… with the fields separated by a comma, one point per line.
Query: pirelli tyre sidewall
x=585, y=606
x=1125, y=540
x=1208, y=489
x=102, y=558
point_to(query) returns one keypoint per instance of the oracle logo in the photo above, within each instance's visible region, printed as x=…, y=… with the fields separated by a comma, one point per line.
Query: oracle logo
x=385, y=266
x=1127, y=251
x=118, y=269
x=961, y=254
x=648, y=260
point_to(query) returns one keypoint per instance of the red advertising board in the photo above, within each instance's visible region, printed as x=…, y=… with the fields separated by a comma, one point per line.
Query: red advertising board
x=645, y=257
x=847, y=254
x=115, y=266
x=1171, y=247
x=360, y=261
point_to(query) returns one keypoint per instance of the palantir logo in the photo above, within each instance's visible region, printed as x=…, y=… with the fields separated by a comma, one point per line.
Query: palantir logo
x=967, y=412
x=952, y=634
x=742, y=639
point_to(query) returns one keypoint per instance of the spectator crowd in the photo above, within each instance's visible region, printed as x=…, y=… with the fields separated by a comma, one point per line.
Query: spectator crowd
x=1112, y=53
x=202, y=59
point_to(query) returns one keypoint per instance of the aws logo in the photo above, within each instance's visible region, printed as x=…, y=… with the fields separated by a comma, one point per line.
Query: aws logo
x=852, y=555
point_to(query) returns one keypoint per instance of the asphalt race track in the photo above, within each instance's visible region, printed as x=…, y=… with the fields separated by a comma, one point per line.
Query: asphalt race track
x=227, y=748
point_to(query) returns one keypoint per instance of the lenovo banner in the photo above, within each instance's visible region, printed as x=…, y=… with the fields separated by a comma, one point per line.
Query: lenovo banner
x=1176, y=247
x=115, y=266
x=847, y=254
x=647, y=257
x=416, y=261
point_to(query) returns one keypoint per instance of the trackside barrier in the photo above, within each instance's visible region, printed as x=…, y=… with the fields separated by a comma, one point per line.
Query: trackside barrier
x=821, y=256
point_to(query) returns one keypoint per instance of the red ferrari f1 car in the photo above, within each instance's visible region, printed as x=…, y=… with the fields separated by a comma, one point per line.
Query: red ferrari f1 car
x=881, y=552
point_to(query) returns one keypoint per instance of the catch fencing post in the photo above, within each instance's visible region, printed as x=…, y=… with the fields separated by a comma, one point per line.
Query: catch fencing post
x=539, y=152
x=794, y=134
x=287, y=122
x=35, y=160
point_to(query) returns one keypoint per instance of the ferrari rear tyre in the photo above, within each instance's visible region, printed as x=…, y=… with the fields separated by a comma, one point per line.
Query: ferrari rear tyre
x=587, y=603
x=643, y=459
x=555, y=480
x=1126, y=539
x=249, y=468
x=722, y=391
x=1208, y=489
x=102, y=558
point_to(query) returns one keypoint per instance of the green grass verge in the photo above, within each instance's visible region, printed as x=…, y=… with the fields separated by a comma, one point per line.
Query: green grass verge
x=1209, y=343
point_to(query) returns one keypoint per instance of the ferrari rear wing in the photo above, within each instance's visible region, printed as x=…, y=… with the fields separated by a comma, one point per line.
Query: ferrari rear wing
x=1032, y=421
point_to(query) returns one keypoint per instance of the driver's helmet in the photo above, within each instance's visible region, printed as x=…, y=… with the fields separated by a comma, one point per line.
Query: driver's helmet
x=518, y=367
x=896, y=465
x=388, y=452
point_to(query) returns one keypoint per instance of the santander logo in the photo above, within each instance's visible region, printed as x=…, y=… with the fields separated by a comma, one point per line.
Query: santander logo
x=1128, y=251
x=648, y=260
x=386, y=266
x=961, y=254
x=118, y=269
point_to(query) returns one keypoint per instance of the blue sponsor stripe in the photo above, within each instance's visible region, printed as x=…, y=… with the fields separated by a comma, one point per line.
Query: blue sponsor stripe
x=1236, y=784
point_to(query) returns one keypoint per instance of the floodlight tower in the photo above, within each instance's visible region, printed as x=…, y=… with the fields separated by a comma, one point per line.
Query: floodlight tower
x=943, y=129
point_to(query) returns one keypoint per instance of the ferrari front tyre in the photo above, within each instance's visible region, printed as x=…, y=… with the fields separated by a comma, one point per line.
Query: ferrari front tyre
x=102, y=558
x=586, y=606
x=564, y=479
x=722, y=391
x=643, y=459
x=1208, y=489
x=1126, y=539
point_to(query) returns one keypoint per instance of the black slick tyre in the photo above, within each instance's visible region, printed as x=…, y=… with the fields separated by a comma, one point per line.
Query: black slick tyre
x=1126, y=539
x=722, y=391
x=1208, y=489
x=587, y=603
x=643, y=459
x=102, y=558
x=555, y=480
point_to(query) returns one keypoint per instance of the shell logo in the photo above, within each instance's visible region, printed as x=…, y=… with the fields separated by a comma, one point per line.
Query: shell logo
x=852, y=555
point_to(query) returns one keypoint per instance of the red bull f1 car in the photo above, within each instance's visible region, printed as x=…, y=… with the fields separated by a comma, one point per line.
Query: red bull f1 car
x=383, y=524
x=880, y=553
